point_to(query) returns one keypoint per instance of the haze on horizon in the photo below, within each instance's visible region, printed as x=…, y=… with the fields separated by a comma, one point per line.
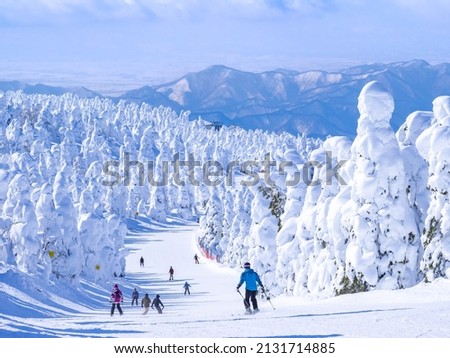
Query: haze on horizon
x=114, y=45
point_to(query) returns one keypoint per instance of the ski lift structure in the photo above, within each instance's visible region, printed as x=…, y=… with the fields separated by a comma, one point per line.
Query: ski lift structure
x=213, y=125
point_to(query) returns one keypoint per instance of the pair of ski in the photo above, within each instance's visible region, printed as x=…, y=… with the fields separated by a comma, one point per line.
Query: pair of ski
x=248, y=310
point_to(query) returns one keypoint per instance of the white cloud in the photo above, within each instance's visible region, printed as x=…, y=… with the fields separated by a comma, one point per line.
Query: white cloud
x=51, y=10
x=424, y=4
x=221, y=31
x=430, y=8
x=31, y=11
x=23, y=11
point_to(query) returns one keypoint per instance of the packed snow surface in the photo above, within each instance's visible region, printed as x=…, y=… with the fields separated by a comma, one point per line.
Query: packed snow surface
x=214, y=308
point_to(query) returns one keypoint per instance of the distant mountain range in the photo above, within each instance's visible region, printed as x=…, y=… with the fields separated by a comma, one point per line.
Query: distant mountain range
x=316, y=102
x=44, y=89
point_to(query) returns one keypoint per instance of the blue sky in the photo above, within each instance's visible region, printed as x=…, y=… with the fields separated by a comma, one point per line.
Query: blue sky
x=162, y=39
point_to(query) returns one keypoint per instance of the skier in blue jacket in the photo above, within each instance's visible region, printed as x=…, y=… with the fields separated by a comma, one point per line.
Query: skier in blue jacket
x=252, y=281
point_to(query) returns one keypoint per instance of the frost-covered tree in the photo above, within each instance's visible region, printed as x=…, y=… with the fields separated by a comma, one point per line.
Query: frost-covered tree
x=24, y=228
x=159, y=176
x=433, y=146
x=321, y=262
x=228, y=214
x=113, y=253
x=303, y=244
x=416, y=170
x=92, y=231
x=383, y=240
x=267, y=208
x=6, y=249
x=295, y=197
x=185, y=203
x=47, y=229
x=209, y=237
x=237, y=251
x=66, y=251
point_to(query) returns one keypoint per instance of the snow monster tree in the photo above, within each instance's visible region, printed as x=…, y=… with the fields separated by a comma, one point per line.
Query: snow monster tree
x=383, y=242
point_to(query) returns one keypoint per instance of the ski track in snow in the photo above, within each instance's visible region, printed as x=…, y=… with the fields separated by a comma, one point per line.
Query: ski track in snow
x=215, y=309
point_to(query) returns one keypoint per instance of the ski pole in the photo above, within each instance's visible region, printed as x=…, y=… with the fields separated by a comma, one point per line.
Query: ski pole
x=245, y=303
x=268, y=299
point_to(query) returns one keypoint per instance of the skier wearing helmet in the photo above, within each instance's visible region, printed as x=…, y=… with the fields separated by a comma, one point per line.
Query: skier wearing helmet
x=116, y=299
x=252, y=281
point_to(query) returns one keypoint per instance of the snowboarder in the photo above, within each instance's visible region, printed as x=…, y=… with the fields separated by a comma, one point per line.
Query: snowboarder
x=157, y=303
x=116, y=299
x=141, y=261
x=134, y=297
x=146, y=303
x=196, y=259
x=252, y=281
x=171, y=271
x=186, y=288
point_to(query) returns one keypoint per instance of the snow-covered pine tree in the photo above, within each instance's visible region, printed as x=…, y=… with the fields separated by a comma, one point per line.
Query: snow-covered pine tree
x=416, y=170
x=237, y=250
x=211, y=226
x=433, y=145
x=295, y=197
x=228, y=215
x=321, y=265
x=383, y=246
x=303, y=244
x=47, y=230
x=267, y=208
x=159, y=181
x=67, y=252
x=24, y=228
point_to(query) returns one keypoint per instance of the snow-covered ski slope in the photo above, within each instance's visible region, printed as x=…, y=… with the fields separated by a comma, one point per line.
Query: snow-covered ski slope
x=214, y=308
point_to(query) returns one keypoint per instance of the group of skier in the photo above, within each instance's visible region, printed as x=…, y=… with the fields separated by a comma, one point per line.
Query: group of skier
x=146, y=302
x=248, y=277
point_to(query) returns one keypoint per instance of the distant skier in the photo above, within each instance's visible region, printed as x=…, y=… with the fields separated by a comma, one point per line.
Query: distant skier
x=141, y=261
x=196, y=259
x=157, y=304
x=116, y=299
x=171, y=271
x=252, y=281
x=186, y=288
x=146, y=303
x=134, y=297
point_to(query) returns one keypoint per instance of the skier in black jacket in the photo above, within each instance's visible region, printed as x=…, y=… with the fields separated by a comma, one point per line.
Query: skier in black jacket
x=134, y=297
x=157, y=303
